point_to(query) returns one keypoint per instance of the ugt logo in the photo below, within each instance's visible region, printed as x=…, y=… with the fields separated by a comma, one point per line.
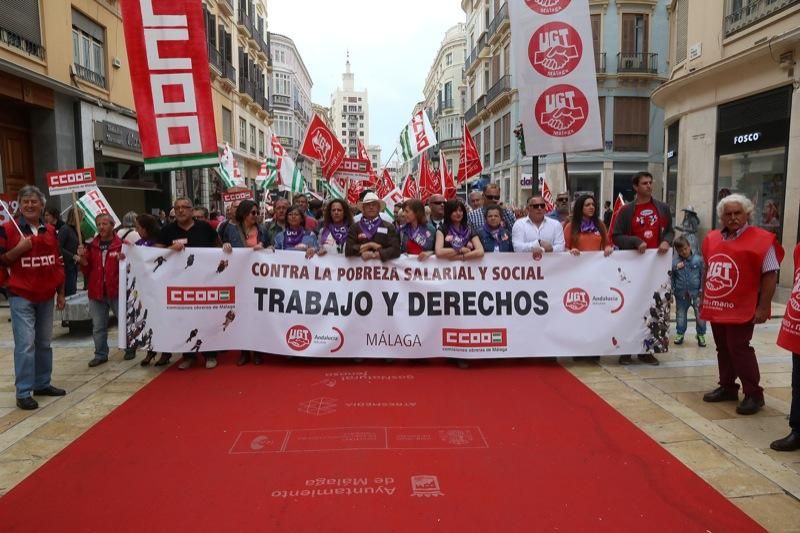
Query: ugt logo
x=555, y=49
x=548, y=7
x=298, y=338
x=322, y=144
x=561, y=110
x=722, y=276
x=576, y=301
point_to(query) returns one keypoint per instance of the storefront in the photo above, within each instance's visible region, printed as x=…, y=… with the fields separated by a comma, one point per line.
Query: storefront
x=752, y=149
x=673, y=142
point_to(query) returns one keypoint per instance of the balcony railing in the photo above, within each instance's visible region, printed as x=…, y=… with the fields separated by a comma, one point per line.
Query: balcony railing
x=300, y=111
x=227, y=6
x=247, y=87
x=473, y=56
x=13, y=40
x=245, y=22
x=89, y=75
x=281, y=100
x=215, y=58
x=637, y=62
x=263, y=46
x=498, y=20
x=262, y=102
x=502, y=85
x=600, y=61
x=228, y=71
x=444, y=105
x=752, y=12
x=471, y=113
x=449, y=144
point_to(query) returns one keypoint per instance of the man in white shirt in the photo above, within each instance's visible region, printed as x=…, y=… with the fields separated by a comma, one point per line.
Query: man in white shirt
x=537, y=233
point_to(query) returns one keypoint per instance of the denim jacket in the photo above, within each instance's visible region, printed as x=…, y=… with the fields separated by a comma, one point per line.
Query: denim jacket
x=490, y=243
x=689, y=279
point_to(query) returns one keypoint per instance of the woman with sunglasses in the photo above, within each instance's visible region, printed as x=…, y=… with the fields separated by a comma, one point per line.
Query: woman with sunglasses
x=586, y=232
x=295, y=236
x=455, y=240
x=244, y=232
x=336, y=221
x=417, y=235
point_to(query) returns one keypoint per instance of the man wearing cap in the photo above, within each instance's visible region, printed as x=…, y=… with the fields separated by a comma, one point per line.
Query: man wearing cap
x=372, y=237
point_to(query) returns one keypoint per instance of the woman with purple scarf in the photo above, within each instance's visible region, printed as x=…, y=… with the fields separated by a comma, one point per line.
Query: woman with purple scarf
x=585, y=231
x=295, y=236
x=455, y=239
x=417, y=235
x=372, y=237
x=494, y=236
x=336, y=222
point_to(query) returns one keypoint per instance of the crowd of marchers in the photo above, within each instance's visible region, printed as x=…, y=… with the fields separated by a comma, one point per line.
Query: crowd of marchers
x=41, y=257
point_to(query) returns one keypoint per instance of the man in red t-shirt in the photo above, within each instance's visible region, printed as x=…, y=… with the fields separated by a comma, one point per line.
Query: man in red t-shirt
x=640, y=225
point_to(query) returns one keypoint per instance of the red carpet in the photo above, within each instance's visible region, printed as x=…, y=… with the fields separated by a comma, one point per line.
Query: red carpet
x=302, y=446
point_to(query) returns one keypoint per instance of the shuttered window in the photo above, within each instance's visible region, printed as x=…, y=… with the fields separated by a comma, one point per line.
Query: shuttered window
x=498, y=140
x=487, y=146
x=631, y=120
x=603, y=117
x=634, y=33
x=506, y=136
x=22, y=18
x=681, y=29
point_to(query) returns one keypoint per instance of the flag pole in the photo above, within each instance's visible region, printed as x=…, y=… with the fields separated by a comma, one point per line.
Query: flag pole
x=464, y=150
x=566, y=171
x=77, y=210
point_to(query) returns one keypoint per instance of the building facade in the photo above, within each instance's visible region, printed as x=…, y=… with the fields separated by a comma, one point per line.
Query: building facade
x=350, y=113
x=732, y=111
x=291, y=98
x=444, y=94
x=630, y=43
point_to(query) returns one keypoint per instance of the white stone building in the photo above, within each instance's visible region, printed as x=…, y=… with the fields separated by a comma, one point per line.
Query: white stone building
x=350, y=113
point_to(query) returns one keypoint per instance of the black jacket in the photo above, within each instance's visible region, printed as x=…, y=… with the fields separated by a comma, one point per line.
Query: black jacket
x=623, y=236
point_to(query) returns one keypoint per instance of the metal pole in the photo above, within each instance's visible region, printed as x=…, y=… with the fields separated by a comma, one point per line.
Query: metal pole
x=566, y=171
x=535, y=176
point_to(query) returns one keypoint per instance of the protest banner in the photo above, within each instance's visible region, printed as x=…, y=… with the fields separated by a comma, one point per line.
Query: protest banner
x=71, y=181
x=236, y=194
x=505, y=305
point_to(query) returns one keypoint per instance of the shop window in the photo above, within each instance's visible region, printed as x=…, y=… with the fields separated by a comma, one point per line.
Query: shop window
x=631, y=124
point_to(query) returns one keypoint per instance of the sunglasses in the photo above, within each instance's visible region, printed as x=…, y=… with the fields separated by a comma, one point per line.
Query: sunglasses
x=492, y=196
x=436, y=203
x=536, y=206
x=562, y=200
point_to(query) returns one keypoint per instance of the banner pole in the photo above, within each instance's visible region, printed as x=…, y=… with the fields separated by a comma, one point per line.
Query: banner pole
x=566, y=171
x=77, y=210
x=535, y=188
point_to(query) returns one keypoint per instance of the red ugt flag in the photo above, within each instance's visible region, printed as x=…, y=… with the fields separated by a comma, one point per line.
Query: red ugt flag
x=548, y=197
x=410, y=189
x=447, y=179
x=470, y=161
x=321, y=144
x=385, y=184
x=429, y=181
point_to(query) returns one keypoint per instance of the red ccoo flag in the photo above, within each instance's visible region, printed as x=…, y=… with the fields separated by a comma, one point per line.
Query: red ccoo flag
x=447, y=179
x=410, y=189
x=322, y=145
x=429, y=181
x=385, y=184
x=548, y=197
x=470, y=162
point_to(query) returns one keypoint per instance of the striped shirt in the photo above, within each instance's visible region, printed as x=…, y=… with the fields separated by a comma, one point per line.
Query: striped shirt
x=770, y=263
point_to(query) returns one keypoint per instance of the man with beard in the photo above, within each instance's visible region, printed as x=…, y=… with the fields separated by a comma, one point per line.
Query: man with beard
x=278, y=222
x=186, y=232
x=561, y=212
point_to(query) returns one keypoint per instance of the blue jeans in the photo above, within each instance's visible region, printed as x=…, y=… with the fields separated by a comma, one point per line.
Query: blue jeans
x=682, y=304
x=32, y=326
x=99, y=310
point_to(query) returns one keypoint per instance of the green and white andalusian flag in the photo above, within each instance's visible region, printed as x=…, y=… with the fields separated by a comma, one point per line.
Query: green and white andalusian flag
x=225, y=168
x=417, y=136
x=92, y=204
x=332, y=190
x=290, y=173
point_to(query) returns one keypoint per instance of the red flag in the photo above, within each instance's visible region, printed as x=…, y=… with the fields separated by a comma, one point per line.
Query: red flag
x=470, y=161
x=362, y=154
x=618, y=203
x=447, y=179
x=385, y=184
x=322, y=145
x=430, y=182
x=355, y=190
x=410, y=189
x=548, y=197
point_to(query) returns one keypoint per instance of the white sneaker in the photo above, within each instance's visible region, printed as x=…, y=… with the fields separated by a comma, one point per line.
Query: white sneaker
x=211, y=362
x=185, y=363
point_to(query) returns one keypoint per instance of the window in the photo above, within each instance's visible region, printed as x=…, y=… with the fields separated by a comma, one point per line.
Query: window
x=596, y=22
x=498, y=140
x=252, y=139
x=495, y=68
x=448, y=59
x=681, y=29
x=227, y=125
x=487, y=146
x=477, y=139
x=634, y=33
x=242, y=134
x=506, y=136
x=631, y=120
x=260, y=143
x=283, y=85
x=87, y=49
x=507, y=59
x=448, y=95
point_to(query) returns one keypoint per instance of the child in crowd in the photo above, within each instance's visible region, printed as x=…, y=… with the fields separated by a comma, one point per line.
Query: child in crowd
x=688, y=277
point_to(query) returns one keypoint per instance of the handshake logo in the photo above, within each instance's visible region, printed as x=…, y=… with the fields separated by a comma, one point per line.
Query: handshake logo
x=562, y=110
x=555, y=49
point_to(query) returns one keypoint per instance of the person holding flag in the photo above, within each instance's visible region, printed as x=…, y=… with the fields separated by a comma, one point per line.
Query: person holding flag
x=29, y=249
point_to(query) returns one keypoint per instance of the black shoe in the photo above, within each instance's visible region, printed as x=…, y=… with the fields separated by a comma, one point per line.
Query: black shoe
x=258, y=358
x=625, y=360
x=27, y=404
x=95, y=362
x=129, y=355
x=164, y=359
x=721, y=394
x=789, y=443
x=244, y=358
x=49, y=391
x=750, y=406
x=148, y=358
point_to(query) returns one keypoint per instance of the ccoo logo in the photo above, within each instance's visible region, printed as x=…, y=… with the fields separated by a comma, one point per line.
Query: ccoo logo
x=555, y=49
x=722, y=276
x=576, y=301
x=298, y=338
x=548, y=7
x=561, y=110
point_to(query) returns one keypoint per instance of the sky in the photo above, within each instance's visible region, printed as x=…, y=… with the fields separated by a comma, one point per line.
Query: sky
x=392, y=47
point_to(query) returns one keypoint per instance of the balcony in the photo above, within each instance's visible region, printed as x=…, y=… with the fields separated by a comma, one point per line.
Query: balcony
x=600, y=62
x=89, y=75
x=477, y=52
x=499, y=22
x=261, y=101
x=444, y=106
x=483, y=46
x=637, y=63
x=281, y=100
x=13, y=40
x=226, y=7
x=753, y=12
x=503, y=86
x=262, y=47
x=449, y=144
x=245, y=23
x=301, y=113
x=228, y=75
x=215, y=60
x=247, y=89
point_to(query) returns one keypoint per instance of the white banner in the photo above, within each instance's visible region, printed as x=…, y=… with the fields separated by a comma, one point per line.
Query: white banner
x=506, y=305
x=551, y=42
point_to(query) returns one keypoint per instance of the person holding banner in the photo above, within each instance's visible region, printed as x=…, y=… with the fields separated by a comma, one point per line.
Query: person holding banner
x=295, y=236
x=536, y=233
x=417, y=236
x=585, y=232
x=789, y=339
x=337, y=219
x=99, y=262
x=186, y=232
x=455, y=239
x=642, y=225
x=494, y=237
x=278, y=222
x=742, y=263
x=147, y=226
x=372, y=237
x=29, y=249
